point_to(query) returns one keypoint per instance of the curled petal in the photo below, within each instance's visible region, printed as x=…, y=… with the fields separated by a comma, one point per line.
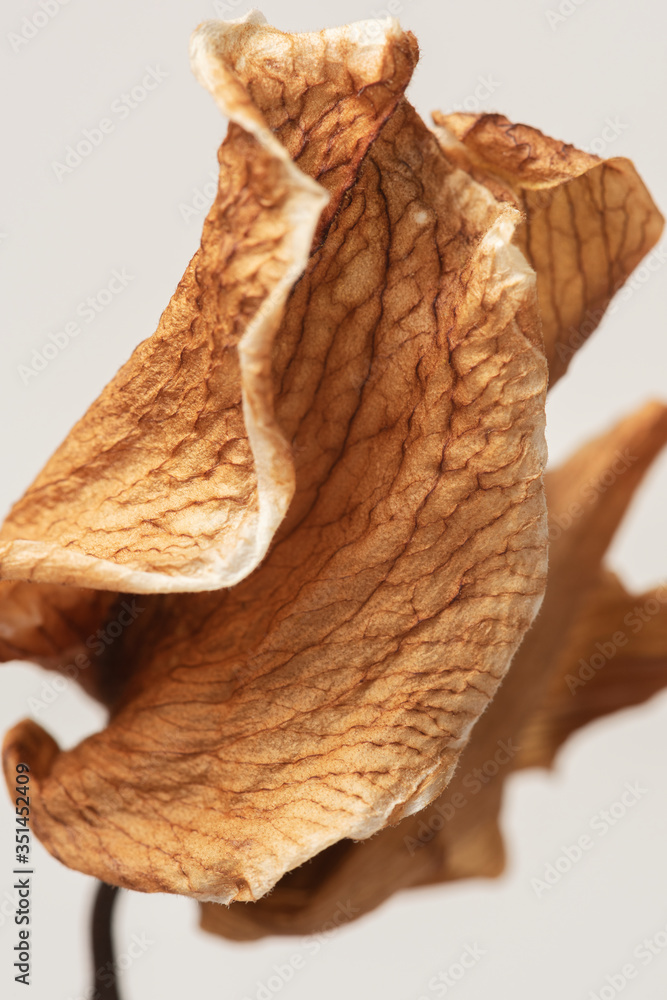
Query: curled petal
x=52, y=625
x=615, y=656
x=459, y=836
x=588, y=222
x=178, y=475
x=332, y=690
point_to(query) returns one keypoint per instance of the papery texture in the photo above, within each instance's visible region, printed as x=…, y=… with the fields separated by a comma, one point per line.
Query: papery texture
x=53, y=626
x=615, y=657
x=534, y=711
x=332, y=690
x=588, y=222
x=358, y=448
x=178, y=475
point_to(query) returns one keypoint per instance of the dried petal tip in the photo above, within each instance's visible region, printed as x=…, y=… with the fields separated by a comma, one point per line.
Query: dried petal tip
x=178, y=475
x=588, y=222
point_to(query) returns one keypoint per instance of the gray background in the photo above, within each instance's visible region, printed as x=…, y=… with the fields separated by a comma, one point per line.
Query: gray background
x=123, y=208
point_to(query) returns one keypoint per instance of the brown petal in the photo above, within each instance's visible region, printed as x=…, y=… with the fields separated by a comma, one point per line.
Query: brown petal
x=614, y=656
x=48, y=624
x=69, y=630
x=178, y=475
x=458, y=836
x=588, y=222
x=331, y=691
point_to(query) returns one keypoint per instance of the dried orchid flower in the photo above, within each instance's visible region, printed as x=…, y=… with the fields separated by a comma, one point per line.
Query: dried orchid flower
x=334, y=442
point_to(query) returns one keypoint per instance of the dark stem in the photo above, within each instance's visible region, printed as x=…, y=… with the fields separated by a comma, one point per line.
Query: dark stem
x=104, y=964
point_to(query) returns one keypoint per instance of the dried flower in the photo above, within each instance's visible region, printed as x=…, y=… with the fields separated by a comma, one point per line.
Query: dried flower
x=340, y=421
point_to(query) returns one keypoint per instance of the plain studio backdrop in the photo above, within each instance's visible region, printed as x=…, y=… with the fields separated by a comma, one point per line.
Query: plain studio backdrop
x=592, y=72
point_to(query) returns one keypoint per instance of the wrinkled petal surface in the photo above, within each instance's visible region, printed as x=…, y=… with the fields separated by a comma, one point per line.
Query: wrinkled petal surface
x=459, y=836
x=332, y=690
x=588, y=222
x=178, y=475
